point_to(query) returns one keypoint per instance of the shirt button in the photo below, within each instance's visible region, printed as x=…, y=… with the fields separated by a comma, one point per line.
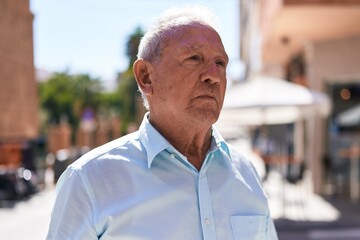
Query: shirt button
x=207, y=221
x=172, y=155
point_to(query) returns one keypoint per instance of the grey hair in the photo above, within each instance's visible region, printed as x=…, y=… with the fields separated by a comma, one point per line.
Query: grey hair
x=173, y=19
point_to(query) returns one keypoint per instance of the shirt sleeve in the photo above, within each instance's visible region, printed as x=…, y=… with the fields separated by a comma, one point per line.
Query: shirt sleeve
x=73, y=214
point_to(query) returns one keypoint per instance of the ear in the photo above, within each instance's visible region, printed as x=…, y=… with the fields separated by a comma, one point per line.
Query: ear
x=142, y=70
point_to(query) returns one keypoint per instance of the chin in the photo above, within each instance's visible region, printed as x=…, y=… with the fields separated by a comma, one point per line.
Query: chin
x=205, y=117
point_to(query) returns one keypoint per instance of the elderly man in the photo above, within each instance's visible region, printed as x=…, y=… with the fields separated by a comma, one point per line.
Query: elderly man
x=175, y=178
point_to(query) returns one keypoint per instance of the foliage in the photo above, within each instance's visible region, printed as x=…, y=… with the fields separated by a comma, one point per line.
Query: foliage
x=132, y=45
x=128, y=90
x=65, y=95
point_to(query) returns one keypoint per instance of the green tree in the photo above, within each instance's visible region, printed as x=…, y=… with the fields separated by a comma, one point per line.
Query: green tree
x=132, y=45
x=68, y=95
x=127, y=89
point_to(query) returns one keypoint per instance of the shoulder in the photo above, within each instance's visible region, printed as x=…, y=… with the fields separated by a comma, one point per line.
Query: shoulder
x=243, y=163
x=124, y=149
x=111, y=164
x=239, y=158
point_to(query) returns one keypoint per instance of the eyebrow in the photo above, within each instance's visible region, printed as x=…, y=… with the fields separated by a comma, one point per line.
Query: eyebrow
x=196, y=47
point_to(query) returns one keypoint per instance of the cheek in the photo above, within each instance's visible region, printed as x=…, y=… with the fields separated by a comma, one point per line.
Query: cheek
x=175, y=83
x=222, y=90
x=223, y=81
x=223, y=87
x=170, y=88
x=165, y=88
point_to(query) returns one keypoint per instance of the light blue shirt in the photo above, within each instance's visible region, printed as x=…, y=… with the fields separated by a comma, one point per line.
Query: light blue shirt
x=140, y=187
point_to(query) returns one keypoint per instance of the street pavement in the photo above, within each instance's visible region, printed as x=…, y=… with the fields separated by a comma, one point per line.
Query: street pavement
x=298, y=213
x=27, y=219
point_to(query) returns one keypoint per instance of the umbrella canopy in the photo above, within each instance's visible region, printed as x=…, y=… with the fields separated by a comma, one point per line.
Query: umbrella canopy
x=350, y=117
x=268, y=100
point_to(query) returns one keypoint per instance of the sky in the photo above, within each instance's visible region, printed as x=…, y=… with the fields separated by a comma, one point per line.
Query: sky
x=89, y=36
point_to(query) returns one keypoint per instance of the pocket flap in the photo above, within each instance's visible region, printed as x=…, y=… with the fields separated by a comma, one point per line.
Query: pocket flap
x=248, y=227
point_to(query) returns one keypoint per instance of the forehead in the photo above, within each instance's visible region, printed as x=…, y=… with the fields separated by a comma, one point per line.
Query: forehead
x=194, y=37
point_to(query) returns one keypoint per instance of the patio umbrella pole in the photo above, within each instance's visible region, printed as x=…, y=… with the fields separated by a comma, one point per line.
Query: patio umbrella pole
x=354, y=172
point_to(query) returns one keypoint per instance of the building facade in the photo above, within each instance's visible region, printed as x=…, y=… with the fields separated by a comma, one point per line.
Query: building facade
x=18, y=90
x=315, y=43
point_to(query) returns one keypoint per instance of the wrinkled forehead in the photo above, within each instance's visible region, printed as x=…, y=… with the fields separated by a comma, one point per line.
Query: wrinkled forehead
x=193, y=36
x=181, y=29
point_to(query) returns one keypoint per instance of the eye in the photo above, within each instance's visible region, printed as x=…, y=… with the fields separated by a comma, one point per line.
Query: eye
x=194, y=58
x=221, y=63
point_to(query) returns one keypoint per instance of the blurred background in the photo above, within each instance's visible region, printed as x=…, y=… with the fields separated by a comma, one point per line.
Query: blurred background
x=292, y=104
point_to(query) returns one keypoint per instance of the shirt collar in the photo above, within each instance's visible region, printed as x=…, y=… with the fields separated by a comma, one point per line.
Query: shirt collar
x=152, y=140
x=155, y=143
x=220, y=142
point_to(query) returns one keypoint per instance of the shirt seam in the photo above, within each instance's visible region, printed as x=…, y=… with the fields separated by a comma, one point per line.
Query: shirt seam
x=96, y=155
x=90, y=194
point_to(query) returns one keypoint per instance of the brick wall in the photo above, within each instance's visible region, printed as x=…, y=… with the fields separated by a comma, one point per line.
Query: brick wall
x=18, y=95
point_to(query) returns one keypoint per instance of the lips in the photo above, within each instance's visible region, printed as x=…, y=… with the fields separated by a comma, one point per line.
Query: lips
x=206, y=97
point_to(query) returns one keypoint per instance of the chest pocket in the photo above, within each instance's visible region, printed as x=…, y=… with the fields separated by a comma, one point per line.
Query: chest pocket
x=248, y=227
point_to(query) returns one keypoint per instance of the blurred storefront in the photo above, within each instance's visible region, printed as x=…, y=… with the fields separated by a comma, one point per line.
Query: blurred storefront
x=314, y=43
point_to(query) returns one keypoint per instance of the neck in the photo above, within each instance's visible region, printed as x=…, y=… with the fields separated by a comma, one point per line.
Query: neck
x=190, y=140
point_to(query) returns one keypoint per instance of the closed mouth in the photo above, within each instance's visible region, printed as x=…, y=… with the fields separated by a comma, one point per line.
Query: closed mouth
x=206, y=97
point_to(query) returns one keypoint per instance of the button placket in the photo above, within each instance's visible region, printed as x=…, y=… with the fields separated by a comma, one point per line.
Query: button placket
x=205, y=205
x=207, y=222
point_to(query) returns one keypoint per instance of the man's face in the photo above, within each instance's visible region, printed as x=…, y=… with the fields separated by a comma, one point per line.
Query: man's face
x=189, y=80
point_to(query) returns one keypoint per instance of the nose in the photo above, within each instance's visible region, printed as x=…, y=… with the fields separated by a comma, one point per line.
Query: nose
x=212, y=74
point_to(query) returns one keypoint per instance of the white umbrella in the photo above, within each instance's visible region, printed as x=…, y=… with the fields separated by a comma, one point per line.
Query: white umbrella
x=268, y=100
